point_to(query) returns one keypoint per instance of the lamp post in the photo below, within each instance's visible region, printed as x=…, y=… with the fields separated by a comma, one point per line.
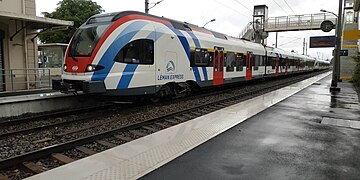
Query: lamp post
x=338, y=64
x=209, y=22
x=336, y=69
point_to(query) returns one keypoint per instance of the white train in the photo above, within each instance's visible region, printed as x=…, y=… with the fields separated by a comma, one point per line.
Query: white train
x=132, y=53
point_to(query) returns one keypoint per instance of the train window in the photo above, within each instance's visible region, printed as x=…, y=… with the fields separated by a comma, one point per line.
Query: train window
x=287, y=62
x=268, y=61
x=297, y=63
x=216, y=65
x=240, y=62
x=200, y=57
x=282, y=63
x=230, y=61
x=137, y=52
x=221, y=61
x=291, y=62
x=180, y=25
x=257, y=62
x=263, y=61
x=273, y=62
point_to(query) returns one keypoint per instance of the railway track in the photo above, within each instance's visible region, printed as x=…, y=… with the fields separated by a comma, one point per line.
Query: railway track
x=75, y=148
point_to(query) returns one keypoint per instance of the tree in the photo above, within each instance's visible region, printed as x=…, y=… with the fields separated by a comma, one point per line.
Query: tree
x=71, y=10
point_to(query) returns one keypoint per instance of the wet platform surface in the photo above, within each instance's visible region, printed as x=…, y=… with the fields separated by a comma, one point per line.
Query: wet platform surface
x=286, y=141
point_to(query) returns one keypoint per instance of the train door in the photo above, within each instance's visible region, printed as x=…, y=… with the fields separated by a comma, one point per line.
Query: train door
x=2, y=75
x=286, y=65
x=277, y=63
x=218, y=78
x=249, y=65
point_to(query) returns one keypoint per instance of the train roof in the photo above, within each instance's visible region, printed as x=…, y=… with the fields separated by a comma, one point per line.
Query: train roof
x=112, y=17
x=185, y=26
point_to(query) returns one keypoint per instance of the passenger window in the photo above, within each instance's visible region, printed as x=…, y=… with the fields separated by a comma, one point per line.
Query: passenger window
x=216, y=61
x=137, y=52
x=230, y=62
x=200, y=57
x=240, y=62
x=257, y=62
x=221, y=61
x=273, y=63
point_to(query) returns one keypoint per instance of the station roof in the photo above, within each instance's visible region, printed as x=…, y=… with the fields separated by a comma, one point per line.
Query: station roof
x=35, y=22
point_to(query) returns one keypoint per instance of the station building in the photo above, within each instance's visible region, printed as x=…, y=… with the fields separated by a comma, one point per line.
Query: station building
x=350, y=23
x=19, y=28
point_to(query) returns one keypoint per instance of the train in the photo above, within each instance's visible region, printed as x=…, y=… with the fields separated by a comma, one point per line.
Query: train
x=132, y=53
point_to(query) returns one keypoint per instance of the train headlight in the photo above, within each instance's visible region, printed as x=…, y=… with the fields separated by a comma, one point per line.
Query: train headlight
x=65, y=67
x=92, y=68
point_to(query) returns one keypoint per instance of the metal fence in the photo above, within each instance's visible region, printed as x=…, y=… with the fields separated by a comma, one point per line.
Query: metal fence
x=298, y=22
x=25, y=79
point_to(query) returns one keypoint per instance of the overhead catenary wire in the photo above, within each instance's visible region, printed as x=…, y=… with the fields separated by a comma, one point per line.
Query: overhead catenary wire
x=292, y=10
x=233, y=9
x=280, y=6
x=289, y=6
x=289, y=42
x=243, y=5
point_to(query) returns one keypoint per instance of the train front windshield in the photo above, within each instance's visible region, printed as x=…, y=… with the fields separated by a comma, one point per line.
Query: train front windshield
x=86, y=38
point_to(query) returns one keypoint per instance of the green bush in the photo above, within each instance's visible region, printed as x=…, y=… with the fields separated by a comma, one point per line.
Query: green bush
x=356, y=76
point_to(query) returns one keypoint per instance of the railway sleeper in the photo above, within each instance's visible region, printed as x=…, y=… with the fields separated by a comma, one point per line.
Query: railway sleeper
x=123, y=138
x=149, y=129
x=163, y=125
x=107, y=144
x=197, y=114
x=62, y=158
x=2, y=177
x=138, y=133
x=180, y=118
x=33, y=167
x=189, y=116
x=171, y=122
x=85, y=150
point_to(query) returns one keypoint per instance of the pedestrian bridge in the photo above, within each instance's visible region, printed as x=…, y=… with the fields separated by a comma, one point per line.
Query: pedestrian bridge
x=290, y=23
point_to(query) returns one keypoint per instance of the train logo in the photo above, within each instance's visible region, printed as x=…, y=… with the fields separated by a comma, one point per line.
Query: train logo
x=170, y=67
x=75, y=68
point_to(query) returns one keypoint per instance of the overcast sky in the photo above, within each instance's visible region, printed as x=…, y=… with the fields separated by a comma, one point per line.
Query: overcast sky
x=231, y=16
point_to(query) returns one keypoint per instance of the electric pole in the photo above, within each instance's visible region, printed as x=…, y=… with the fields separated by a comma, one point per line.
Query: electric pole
x=147, y=6
x=336, y=64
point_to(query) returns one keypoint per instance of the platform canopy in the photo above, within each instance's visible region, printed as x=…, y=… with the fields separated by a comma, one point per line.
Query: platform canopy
x=34, y=22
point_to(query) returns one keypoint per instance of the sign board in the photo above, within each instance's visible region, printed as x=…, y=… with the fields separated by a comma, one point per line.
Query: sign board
x=344, y=52
x=327, y=26
x=351, y=34
x=322, y=41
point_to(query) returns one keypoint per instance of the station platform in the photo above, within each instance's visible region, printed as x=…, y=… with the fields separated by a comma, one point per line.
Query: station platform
x=19, y=103
x=297, y=132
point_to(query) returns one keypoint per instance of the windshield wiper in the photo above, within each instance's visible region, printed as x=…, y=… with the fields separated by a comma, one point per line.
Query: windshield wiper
x=73, y=58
